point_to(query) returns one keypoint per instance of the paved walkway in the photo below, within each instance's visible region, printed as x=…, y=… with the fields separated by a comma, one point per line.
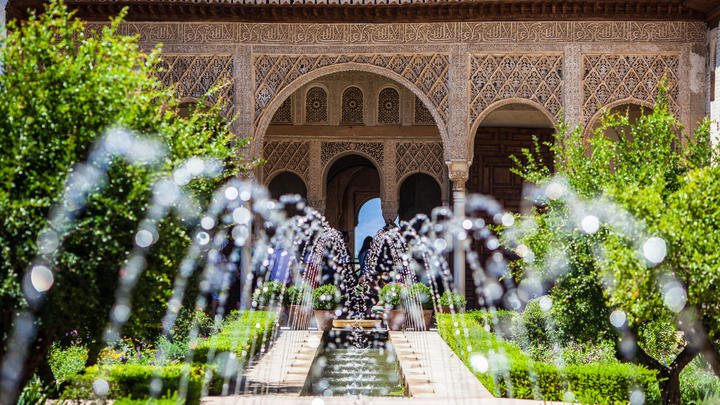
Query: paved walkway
x=432, y=372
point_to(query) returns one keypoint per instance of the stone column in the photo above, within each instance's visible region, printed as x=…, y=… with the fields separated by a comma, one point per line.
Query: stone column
x=572, y=85
x=389, y=187
x=315, y=196
x=458, y=170
x=243, y=126
x=714, y=85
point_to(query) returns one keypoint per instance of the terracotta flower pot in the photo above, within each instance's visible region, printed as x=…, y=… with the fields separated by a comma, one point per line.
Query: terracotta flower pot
x=395, y=318
x=299, y=316
x=446, y=310
x=427, y=317
x=324, y=319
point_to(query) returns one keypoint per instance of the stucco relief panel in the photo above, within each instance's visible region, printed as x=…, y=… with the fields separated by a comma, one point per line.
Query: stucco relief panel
x=428, y=72
x=328, y=150
x=496, y=77
x=424, y=157
x=286, y=155
x=194, y=75
x=613, y=77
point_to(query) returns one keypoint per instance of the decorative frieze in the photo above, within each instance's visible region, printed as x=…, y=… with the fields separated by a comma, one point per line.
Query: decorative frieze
x=414, y=33
x=610, y=77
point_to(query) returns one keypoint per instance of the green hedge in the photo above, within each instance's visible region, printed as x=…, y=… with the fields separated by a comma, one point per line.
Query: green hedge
x=133, y=381
x=513, y=374
x=244, y=331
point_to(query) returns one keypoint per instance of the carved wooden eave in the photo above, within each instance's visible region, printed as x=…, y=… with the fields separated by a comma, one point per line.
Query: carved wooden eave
x=384, y=10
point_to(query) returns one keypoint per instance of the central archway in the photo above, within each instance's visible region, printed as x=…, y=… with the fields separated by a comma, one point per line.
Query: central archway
x=350, y=181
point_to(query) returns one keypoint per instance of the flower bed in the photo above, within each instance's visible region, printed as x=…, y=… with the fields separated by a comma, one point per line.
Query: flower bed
x=506, y=371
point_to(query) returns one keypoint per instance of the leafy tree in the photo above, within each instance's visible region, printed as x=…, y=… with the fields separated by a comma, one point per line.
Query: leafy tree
x=60, y=91
x=652, y=181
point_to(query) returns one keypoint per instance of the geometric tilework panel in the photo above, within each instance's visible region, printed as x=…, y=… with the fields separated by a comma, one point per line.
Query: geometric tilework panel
x=194, y=75
x=428, y=72
x=287, y=155
x=609, y=77
x=536, y=77
x=424, y=157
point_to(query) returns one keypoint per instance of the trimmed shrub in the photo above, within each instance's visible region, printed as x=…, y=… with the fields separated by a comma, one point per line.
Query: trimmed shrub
x=269, y=293
x=133, y=380
x=326, y=297
x=421, y=293
x=296, y=294
x=391, y=295
x=457, y=300
x=243, y=332
x=65, y=362
x=512, y=374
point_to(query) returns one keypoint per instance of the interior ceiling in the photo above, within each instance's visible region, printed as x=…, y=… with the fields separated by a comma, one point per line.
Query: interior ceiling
x=347, y=162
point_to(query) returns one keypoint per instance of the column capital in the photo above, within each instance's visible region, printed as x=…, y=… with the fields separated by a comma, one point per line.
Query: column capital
x=389, y=210
x=318, y=205
x=458, y=172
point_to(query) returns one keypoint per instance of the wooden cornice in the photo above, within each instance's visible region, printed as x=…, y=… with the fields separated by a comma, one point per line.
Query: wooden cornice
x=380, y=11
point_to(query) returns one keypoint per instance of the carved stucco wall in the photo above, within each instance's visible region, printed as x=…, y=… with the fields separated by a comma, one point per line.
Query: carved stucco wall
x=442, y=62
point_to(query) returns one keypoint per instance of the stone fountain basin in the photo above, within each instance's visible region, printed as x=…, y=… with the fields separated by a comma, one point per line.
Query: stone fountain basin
x=358, y=323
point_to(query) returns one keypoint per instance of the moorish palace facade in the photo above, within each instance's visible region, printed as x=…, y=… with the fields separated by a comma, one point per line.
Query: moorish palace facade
x=417, y=101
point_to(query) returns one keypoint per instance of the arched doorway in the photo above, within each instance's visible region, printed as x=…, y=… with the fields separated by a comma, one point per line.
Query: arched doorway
x=419, y=194
x=503, y=132
x=350, y=181
x=287, y=183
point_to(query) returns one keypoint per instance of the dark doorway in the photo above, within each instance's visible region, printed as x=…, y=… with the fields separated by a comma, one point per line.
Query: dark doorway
x=490, y=174
x=287, y=183
x=419, y=194
x=351, y=181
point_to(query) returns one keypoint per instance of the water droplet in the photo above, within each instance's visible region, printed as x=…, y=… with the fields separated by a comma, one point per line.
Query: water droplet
x=121, y=313
x=674, y=296
x=492, y=243
x=203, y=238
x=655, y=249
x=207, y=223
x=195, y=166
x=144, y=238
x=241, y=215
x=618, y=318
x=41, y=278
x=47, y=241
x=545, y=303
x=590, y=224
x=479, y=363
x=100, y=387
x=522, y=250
x=554, y=190
x=231, y=193
x=508, y=219
x=467, y=224
x=637, y=397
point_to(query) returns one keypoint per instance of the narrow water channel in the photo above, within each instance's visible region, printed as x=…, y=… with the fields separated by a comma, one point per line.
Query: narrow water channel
x=342, y=368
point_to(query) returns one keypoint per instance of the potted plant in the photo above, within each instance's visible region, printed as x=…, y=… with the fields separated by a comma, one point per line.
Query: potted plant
x=450, y=302
x=420, y=293
x=391, y=297
x=326, y=299
x=297, y=299
x=268, y=297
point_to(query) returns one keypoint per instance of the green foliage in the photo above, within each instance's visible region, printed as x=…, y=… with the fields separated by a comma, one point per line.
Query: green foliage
x=172, y=400
x=268, y=294
x=512, y=374
x=447, y=299
x=62, y=88
x=326, y=297
x=537, y=325
x=652, y=181
x=392, y=295
x=66, y=361
x=244, y=333
x=508, y=324
x=296, y=294
x=188, y=318
x=421, y=293
x=33, y=393
x=698, y=386
x=133, y=380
